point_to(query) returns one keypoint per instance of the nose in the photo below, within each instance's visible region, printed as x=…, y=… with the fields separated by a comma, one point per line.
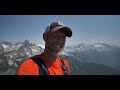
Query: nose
x=61, y=42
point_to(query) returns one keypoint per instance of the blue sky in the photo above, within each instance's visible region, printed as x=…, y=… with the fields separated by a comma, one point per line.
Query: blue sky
x=86, y=28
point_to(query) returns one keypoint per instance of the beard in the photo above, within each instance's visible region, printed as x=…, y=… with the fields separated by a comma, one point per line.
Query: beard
x=55, y=50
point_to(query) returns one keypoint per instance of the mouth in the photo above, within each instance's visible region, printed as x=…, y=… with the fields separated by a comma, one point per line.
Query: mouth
x=58, y=46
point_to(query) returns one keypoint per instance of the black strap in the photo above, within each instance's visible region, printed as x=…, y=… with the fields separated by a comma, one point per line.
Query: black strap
x=65, y=69
x=43, y=69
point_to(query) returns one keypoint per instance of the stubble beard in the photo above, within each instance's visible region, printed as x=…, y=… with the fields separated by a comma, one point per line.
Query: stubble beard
x=53, y=50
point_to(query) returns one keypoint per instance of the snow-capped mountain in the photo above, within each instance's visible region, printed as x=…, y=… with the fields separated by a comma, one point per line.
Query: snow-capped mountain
x=99, y=53
x=84, y=46
x=7, y=46
x=99, y=45
x=76, y=47
x=13, y=54
x=23, y=47
x=29, y=49
x=18, y=45
x=97, y=58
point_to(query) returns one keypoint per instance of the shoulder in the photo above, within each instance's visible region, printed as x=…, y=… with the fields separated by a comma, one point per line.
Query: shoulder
x=30, y=61
x=27, y=62
x=28, y=67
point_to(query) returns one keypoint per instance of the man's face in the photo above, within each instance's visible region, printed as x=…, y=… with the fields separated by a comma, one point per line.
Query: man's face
x=55, y=42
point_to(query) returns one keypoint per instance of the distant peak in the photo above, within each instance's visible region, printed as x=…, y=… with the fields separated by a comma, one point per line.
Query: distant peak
x=26, y=41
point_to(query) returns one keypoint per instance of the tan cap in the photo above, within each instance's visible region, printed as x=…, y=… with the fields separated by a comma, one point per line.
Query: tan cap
x=55, y=26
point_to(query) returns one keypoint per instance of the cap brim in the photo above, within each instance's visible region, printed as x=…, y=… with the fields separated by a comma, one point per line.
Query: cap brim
x=67, y=31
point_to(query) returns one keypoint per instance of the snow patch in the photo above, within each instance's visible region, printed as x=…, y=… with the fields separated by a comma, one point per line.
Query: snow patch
x=27, y=53
x=99, y=45
x=5, y=46
x=34, y=50
x=10, y=62
x=42, y=46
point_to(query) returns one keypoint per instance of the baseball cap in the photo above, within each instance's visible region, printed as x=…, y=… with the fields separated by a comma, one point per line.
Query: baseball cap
x=56, y=26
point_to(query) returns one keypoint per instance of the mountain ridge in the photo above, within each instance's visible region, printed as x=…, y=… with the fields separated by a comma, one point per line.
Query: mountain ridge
x=80, y=59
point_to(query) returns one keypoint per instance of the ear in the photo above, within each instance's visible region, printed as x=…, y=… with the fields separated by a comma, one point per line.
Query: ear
x=45, y=37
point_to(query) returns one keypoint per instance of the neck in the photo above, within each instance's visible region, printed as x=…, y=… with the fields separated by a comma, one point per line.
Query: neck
x=49, y=55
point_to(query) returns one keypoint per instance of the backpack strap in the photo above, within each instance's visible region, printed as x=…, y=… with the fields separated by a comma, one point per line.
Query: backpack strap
x=42, y=67
x=65, y=69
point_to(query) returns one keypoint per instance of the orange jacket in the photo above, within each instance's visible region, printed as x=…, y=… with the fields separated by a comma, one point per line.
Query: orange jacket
x=29, y=67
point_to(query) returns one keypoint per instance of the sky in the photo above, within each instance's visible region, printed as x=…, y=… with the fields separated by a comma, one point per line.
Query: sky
x=86, y=28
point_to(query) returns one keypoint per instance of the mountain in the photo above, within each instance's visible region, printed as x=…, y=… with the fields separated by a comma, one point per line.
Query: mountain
x=77, y=68
x=17, y=53
x=1, y=48
x=99, y=53
x=82, y=68
x=29, y=49
x=95, y=59
x=17, y=45
x=6, y=46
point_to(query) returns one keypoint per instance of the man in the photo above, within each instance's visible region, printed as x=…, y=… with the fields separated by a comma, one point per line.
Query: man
x=49, y=62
